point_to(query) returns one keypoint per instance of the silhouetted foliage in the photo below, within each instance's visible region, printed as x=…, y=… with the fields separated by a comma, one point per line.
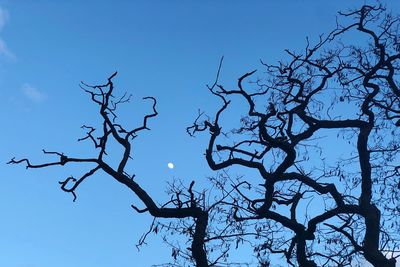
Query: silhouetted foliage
x=321, y=135
x=350, y=91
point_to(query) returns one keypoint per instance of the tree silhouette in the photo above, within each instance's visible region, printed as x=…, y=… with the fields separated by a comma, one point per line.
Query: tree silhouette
x=319, y=132
x=185, y=205
x=347, y=90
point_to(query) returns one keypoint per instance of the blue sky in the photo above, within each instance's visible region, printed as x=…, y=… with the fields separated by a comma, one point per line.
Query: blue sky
x=165, y=49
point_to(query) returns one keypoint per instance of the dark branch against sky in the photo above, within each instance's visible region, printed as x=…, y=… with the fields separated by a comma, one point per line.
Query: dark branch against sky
x=169, y=51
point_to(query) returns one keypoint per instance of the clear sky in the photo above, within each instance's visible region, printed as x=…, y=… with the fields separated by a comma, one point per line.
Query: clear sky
x=165, y=49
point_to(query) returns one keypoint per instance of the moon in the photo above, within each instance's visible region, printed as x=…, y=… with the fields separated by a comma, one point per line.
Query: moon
x=170, y=165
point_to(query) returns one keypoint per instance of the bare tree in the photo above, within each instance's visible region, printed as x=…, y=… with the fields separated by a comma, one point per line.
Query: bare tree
x=181, y=205
x=320, y=133
x=192, y=209
x=295, y=115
